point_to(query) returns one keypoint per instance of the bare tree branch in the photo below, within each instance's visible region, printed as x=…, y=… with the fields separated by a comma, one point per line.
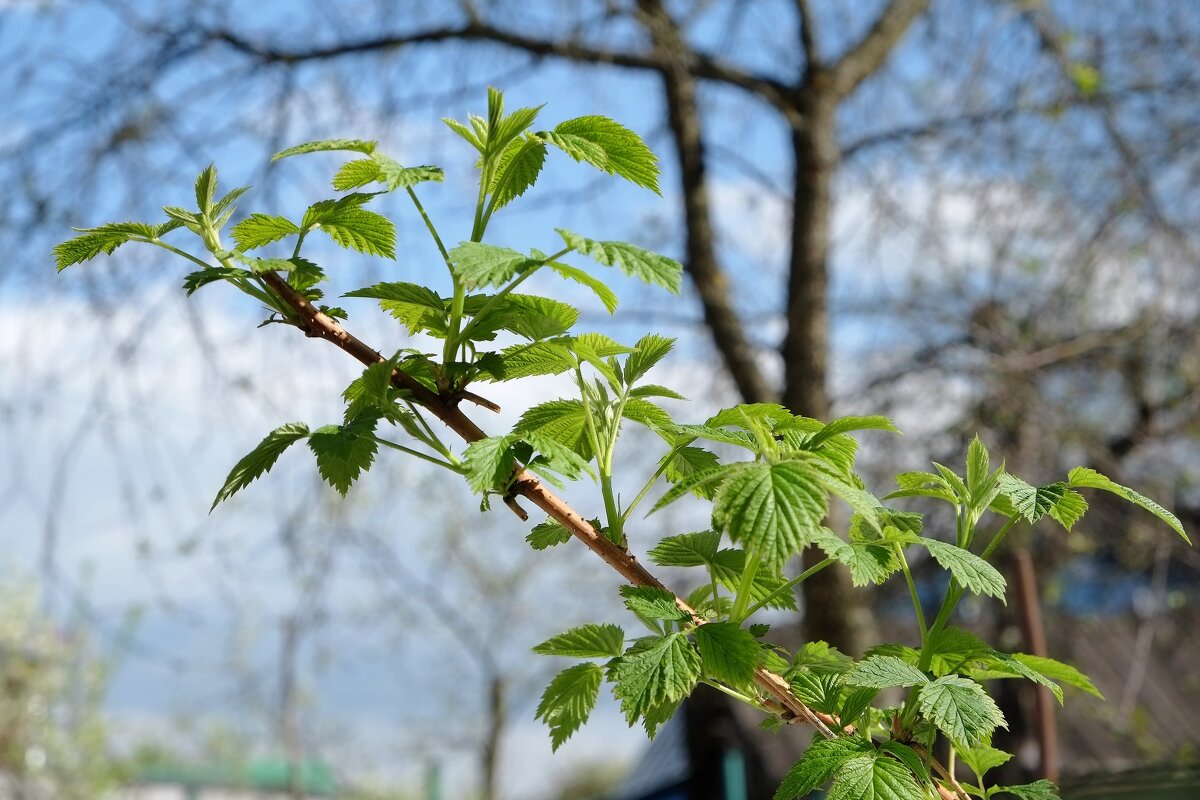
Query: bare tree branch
x=703, y=66
x=808, y=37
x=865, y=58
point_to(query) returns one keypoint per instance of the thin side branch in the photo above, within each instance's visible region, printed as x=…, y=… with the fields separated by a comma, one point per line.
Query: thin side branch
x=865, y=58
x=701, y=65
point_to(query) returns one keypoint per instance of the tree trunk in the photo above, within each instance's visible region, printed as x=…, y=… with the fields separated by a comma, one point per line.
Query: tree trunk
x=700, y=259
x=832, y=611
x=496, y=721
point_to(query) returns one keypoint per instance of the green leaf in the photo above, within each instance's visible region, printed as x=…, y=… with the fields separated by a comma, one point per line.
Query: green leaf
x=526, y=315
x=503, y=132
x=607, y=296
x=490, y=463
x=982, y=757
x=1082, y=477
x=773, y=508
x=259, y=461
x=952, y=647
x=418, y=307
x=1038, y=790
x=586, y=641
x=922, y=484
x=556, y=456
x=569, y=700
x=534, y=358
x=1032, y=502
x=968, y=569
x=517, y=170
x=646, y=413
x=206, y=189
x=823, y=758
x=960, y=708
x=354, y=174
x=871, y=777
x=1006, y=663
x=654, y=390
x=847, y=424
x=729, y=564
x=695, y=482
x=202, y=277
x=465, y=132
x=642, y=264
x=607, y=146
x=103, y=239
x=548, y=534
x=597, y=347
x=653, y=603
x=361, y=230
x=344, y=451
x=477, y=264
x=223, y=209
x=909, y=758
x=1069, y=509
x=821, y=657
x=1060, y=672
x=729, y=653
x=954, y=483
x=865, y=505
x=869, y=563
x=685, y=462
x=324, y=145
x=855, y=704
x=880, y=672
x=401, y=177
x=654, y=672
x=658, y=716
x=182, y=216
x=686, y=549
x=257, y=230
x=563, y=420
x=743, y=415
x=369, y=392
x=978, y=471
x=724, y=435
x=648, y=351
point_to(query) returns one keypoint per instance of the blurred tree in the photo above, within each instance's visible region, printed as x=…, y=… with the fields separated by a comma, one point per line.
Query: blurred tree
x=53, y=736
